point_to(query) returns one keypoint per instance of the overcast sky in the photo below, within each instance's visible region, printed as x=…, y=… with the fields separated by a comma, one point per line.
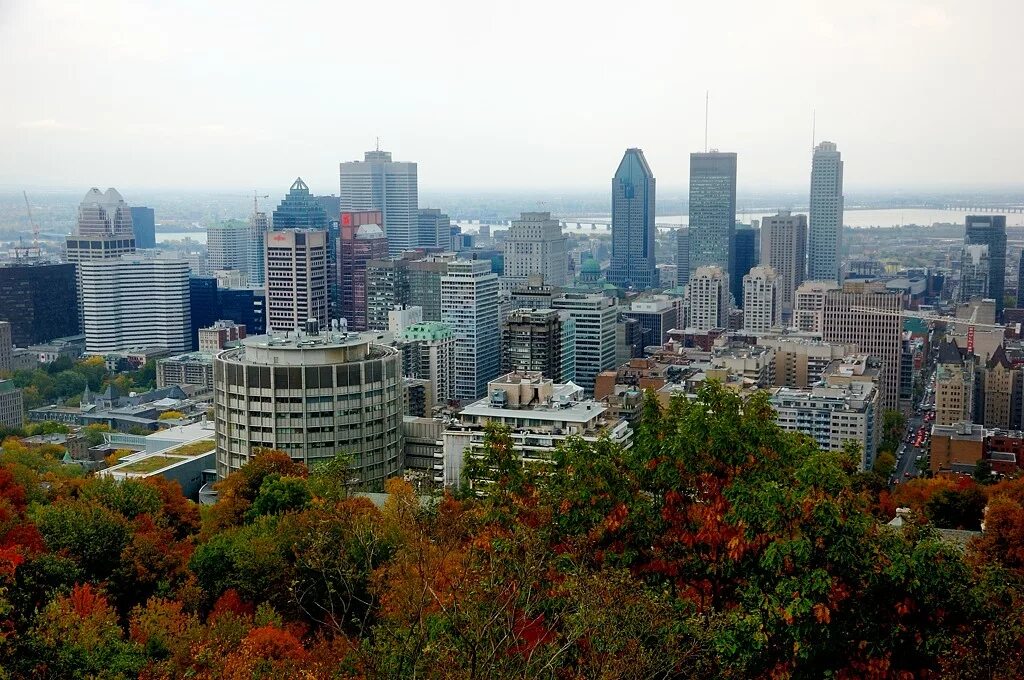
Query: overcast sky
x=511, y=95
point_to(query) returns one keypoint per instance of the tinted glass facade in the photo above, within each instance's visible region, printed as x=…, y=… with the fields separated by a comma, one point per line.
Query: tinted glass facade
x=712, y=210
x=745, y=257
x=144, y=227
x=203, y=305
x=633, y=264
x=40, y=302
x=299, y=210
x=990, y=230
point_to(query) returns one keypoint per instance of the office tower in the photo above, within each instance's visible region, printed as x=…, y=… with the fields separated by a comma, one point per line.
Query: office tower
x=975, y=270
x=428, y=353
x=595, y=316
x=869, y=316
x=1020, y=281
x=6, y=347
x=246, y=306
x=762, y=304
x=342, y=393
x=712, y=210
x=682, y=256
x=542, y=340
x=361, y=240
x=130, y=302
x=784, y=248
x=744, y=249
x=378, y=183
x=413, y=280
x=657, y=314
x=299, y=210
x=40, y=301
x=435, y=228
x=954, y=393
x=204, y=305
x=809, y=305
x=143, y=227
x=534, y=293
x=709, y=299
x=331, y=205
x=825, y=225
x=296, y=271
x=990, y=230
x=104, y=228
x=259, y=225
x=227, y=246
x=633, y=264
x=469, y=305
x=535, y=245
x=630, y=339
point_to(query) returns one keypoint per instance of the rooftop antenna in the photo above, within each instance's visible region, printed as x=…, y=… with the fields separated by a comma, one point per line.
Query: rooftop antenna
x=378, y=143
x=707, y=97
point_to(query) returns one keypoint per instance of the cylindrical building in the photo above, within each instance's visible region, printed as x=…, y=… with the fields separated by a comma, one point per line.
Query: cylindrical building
x=312, y=395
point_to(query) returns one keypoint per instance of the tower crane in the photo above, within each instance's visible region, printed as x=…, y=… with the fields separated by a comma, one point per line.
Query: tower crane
x=255, y=200
x=34, y=251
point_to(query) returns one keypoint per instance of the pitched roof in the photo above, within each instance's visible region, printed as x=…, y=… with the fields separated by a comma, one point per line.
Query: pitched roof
x=949, y=353
x=999, y=357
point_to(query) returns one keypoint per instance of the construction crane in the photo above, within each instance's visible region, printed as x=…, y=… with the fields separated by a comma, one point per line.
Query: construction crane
x=255, y=200
x=34, y=251
x=971, y=323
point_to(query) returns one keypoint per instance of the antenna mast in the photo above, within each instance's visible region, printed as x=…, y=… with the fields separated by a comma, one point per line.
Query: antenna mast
x=707, y=97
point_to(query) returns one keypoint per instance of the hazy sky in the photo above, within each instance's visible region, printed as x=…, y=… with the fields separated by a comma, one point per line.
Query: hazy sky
x=516, y=95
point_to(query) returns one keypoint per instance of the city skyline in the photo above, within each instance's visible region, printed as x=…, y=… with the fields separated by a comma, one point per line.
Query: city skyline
x=57, y=125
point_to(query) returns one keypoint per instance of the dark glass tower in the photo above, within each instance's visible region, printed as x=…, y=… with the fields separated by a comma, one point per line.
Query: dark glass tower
x=40, y=301
x=712, y=210
x=203, y=305
x=990, y=230
x=745, y=257
x=144, y=226
x=300, y=210
x=633, y=264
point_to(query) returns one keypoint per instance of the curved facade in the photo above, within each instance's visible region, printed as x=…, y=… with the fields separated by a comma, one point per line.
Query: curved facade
x=312, y=396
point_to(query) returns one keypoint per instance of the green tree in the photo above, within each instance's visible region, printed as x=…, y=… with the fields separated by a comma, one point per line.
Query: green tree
x=278, y=495
x=885, y=463
x=983, y=472
x=957, y=508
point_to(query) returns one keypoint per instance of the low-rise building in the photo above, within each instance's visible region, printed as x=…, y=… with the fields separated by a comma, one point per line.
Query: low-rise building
x=216, y=337
x=194, y=368
x=541, y=415
x=956, y=448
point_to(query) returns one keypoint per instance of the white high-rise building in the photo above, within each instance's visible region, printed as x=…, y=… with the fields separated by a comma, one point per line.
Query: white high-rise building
x=809, y=305
x=825, y=237
x=227, y=246
x=132, y=302
x=296, y=273
x=535, y=245
x=378, y=183
x=469, y=305
x=784, y=248
x=259, y=225
x=595, y=316
x=761, y=300
x=709, y=299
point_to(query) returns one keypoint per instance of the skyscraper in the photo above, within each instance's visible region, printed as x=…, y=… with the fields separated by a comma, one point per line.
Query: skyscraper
x=990, y=230
x=259, y=225
x=535, y=245
x=975, y=270
x=595, y=316
x=761, y=300
x=40, y=301
x=709, y=299
x=204, y=305
x=378, y=183
x=144, y=227
x=825, y=231
x=712, y=210
x=541, y=340
x=435, y=228
x=428, y=353
x=682, y=256
x=784, y=248
x=132, y=302
x=744, y=249
x=104, y=228
x=227, y=246
x=360, y=241
x=469, y=305
x=633, y=264
x=299, y=210
x=296, y=263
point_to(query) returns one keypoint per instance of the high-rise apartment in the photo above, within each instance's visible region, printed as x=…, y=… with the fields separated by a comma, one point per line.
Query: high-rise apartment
x=361, y=240
x=227, y=246
x=975, y=270
x=709, y=299
x=40, y=301
x=761, y=300
x=809, y=305
x=712, y=210
x=784, y=249
x=682, y=256
x=296, y=272
x=633, y=230
x=299, y=210
x=595, y=316
x=411, y=280
x=535, y=245
x=469, y=305
x=541, y=340
x=378, y=183
x=871, y=317
x=825, y=230
x=990, y=230
x=143, y=226
x=744, y=249
x=259, y=226
x=428, y=353
x=133, y=302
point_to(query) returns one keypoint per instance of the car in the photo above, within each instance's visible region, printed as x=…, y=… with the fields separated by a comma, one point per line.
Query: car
x=906, y=474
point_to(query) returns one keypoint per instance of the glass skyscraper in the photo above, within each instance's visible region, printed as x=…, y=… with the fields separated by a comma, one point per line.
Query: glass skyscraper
x=144, y=227
x=712, y=210
x=633, y=264
x=379, y=183
x=299, y=210
x=990, y=230
x=825, y=224
x=745, y=258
